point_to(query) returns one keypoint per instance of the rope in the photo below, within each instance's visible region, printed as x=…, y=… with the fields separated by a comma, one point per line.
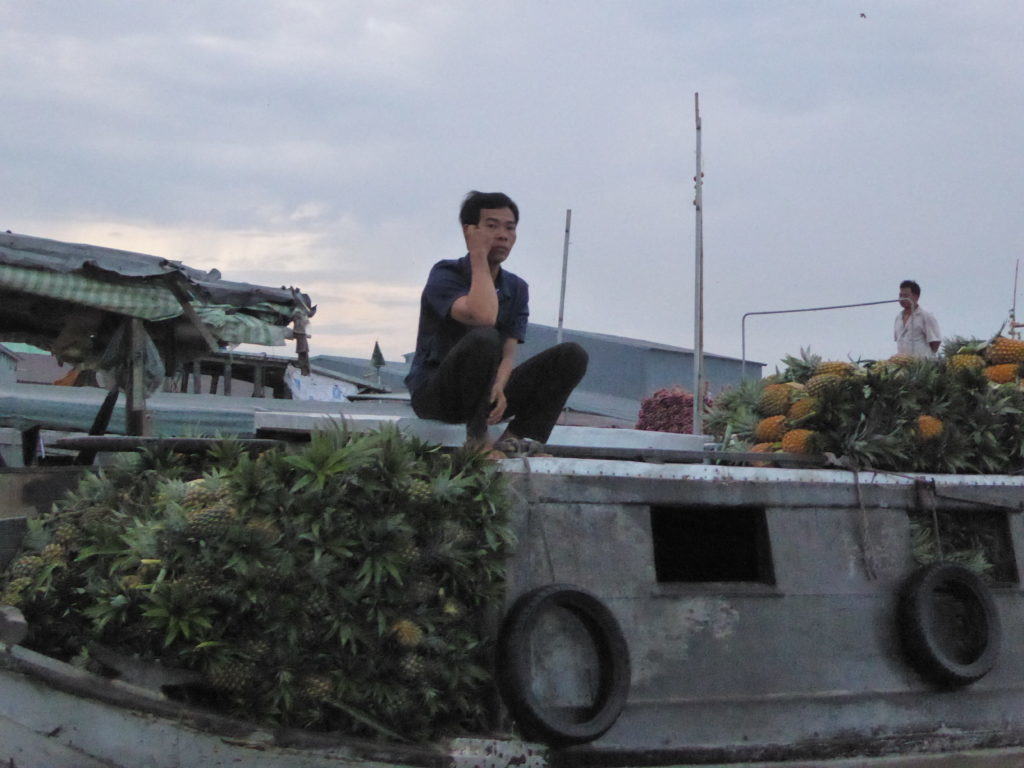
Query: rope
x=866, y=550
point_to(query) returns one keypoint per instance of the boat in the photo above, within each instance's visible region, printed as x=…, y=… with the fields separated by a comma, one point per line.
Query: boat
x=668, y=603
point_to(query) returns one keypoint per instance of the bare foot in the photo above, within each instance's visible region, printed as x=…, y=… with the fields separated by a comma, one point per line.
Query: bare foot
x=495, y=455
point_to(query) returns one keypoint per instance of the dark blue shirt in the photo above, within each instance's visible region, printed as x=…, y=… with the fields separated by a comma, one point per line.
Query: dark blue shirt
x=438, y=331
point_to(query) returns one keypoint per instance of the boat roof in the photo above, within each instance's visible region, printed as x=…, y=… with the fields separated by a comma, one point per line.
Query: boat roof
x=53, y=256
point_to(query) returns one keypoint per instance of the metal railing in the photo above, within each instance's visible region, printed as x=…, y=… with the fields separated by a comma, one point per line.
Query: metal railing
x=743, y=322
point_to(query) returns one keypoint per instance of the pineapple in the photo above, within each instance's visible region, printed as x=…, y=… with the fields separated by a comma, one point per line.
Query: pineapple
x=800, y=441
x=965, y=362
x=928, y=427
x=822, y=383
x=1004, y=373
x=770, y=430
x=834, y=368
x=318, y=603
x=774, y=400
x=26, y=565
x=409, y=554
x=205, y=492
x=198, y=583
x=13, y=592
x=256, y=648
x=411, y=666
x=1004, y=350
x=208, y=522
x=264, y=530
x=317, y=687
x=802, y=408
x=54, y=553
x=131, y=581
x=901, y=361
x=407, y=633
x=762, y=448
x=231, y=676
x=420, y=491
x=399, y=703
x=422, y=591
x=451, y=608
x=66, y=534
x=454, y=533
x=801, y=368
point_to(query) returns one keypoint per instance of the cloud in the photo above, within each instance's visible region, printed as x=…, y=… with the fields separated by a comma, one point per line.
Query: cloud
x=329, y=143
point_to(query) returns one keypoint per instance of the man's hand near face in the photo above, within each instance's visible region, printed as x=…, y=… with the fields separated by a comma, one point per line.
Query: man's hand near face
x=479, y=242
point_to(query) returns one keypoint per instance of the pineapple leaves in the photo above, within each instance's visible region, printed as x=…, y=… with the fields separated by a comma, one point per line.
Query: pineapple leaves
x=281, y=579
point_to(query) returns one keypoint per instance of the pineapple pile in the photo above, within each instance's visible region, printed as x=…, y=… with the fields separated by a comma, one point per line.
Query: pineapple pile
x=960, y=412
x=340, y=588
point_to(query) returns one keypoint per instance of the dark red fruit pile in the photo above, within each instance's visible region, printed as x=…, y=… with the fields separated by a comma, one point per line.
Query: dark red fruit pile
x=668, y=410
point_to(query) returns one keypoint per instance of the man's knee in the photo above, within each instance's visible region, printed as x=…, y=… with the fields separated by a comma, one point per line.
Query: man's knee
x=573, y=356
x=484, y=338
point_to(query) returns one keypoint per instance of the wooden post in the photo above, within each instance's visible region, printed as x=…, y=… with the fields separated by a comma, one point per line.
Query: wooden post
x=136, y=422
x=227, y=377
x=257, y=381
x=197, y=378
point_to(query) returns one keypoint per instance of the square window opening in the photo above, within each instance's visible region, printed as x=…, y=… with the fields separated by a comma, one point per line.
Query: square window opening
x=977, y=538
x=693, y=545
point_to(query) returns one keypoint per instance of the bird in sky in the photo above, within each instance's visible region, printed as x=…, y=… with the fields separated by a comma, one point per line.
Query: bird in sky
x=863, y=15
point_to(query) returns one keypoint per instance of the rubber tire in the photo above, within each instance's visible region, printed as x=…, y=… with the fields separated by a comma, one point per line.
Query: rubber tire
x=922, y=649
x=514, y=674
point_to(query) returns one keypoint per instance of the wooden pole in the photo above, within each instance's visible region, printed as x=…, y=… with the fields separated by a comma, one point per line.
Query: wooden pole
x=136, y=422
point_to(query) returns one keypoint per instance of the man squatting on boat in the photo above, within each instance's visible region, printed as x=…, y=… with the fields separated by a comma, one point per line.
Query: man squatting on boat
x=473, y=316
x=916, y=331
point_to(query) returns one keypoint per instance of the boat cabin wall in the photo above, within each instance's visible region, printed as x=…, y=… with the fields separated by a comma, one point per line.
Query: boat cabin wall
x=757, y=612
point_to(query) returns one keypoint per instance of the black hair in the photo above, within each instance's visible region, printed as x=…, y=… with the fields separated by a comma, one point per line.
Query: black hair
x=914, y=287
x=475, y=202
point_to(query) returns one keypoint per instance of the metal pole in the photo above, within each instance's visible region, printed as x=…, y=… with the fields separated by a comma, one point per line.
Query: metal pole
x=565, y=268
x=743, y=322
x=698, y=304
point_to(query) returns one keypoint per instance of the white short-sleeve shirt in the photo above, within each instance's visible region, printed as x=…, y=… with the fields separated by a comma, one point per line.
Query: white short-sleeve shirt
x=914, y=336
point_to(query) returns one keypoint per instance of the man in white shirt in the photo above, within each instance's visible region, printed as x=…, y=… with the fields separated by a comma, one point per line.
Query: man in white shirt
x=916, y=331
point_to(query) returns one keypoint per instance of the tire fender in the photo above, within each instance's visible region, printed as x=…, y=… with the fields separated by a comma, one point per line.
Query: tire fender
x=515, y=674
x=928, y=636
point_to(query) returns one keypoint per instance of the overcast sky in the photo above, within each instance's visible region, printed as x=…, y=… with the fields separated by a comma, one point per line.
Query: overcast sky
x=328, y=144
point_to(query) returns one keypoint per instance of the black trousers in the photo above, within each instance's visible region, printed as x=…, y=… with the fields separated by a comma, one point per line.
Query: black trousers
x=459, y=391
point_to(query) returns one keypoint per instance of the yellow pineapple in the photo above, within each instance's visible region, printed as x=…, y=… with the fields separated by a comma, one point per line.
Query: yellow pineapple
x=900, y=360
x=770, y=430
x=762, y=448
x=1004, y=350
x=774, y=400
x=805, y=406
x=834, y=368
x=822, y=383
x=800, y=441
x=929, y=427
x=407, y=633
x=965, y=362
x=1004, y=373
